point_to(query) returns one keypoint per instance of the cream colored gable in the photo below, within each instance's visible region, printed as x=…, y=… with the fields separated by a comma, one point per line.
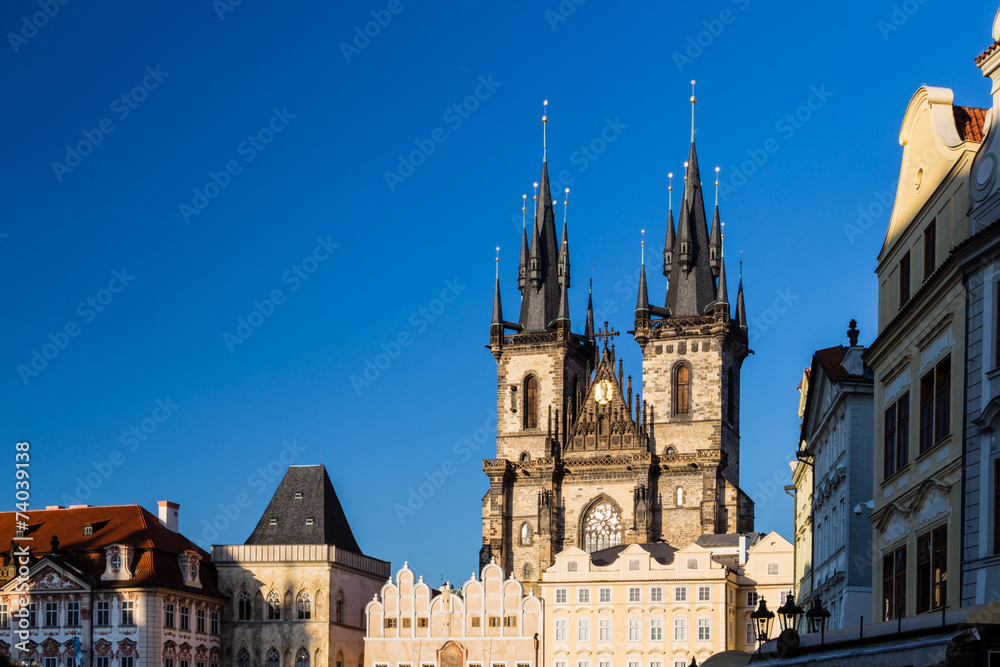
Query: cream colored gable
x=931, y=148
x=771, y=543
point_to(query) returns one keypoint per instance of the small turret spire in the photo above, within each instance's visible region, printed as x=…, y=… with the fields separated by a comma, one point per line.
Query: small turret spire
x=564, y=296
x=642, y=302
x=588, y=332
x=715, y=237
x=741, y=310
x=522, y=267
x=564, y=244
x=497, y=308
x=668, y=244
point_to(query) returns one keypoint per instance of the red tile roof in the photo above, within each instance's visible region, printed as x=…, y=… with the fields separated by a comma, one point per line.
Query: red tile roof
x=969, y=121
x=156, y=547
x=990, y=49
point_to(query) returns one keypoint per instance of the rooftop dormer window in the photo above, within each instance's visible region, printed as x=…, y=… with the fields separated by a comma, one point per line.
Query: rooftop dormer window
x=118, y=562
x=88, y=529
x=298, y=495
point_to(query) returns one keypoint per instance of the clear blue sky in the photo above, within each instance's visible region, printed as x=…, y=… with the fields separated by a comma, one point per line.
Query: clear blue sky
x=327, y=123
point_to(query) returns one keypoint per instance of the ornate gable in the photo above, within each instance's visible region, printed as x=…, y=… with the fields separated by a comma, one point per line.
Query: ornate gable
x=605, y=421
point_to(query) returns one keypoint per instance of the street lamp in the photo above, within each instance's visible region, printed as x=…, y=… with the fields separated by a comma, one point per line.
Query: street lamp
x=817, y=616
x=762, y=618
x=789, y=614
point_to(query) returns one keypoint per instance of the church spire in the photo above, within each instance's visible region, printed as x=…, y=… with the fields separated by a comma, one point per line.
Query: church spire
x=715, y=239
x=668, y=244
x=522, y=267
x=723, y=295
x=642, y=302
x=692, y=288
x=741, y=309
x=497, y=307
x=588, y=332
x=564, y=245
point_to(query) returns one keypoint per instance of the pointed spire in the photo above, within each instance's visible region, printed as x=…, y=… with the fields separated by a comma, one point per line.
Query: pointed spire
x=522, y=266
x=668, y=244
x=685, y=244
x=741, y=309
x=497, y=309
x=564, y=297
x=715, y=238
x=723, y=294
x=588, y=332
x=642, y=302
x=564, y=244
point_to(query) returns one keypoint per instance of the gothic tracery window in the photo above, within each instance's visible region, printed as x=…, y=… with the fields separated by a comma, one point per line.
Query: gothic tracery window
x=680, y=497
x=243, y=606
x=682, y=390
x=243, y=658
x=525, y=533
x=273, y=607
x=302, y=658
x=602, y=528
x=531, y=402
x=272, y=658
x=303, y=609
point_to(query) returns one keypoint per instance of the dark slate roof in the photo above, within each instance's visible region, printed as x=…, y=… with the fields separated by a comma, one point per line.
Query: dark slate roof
x=156, y=547
x=539, y=305
x=318, y=501
x=689, y=292
x=661, y=552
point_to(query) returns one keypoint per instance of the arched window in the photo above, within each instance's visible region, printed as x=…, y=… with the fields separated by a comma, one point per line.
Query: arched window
x=670, y=451
x=243, y=658
x=680, y=497
x=258, y=606
x=272, y=658
x=273, y=607
x=602, y=527
x=682, y=390
x=244, y=612
x=731, y=397
x=340, y=607
x=600, y=425
x=302, y=658
x=340, y=659
x=531, y=402
x=525, y=456
x=288, y=609
x=303, y=610
x=525, y=533
x=526, y=571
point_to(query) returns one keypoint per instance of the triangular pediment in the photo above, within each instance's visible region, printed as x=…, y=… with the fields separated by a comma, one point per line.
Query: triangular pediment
x=46, y=575
x=608, y=417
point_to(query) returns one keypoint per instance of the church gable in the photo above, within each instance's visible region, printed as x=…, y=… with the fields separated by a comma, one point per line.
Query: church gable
x=605, y=421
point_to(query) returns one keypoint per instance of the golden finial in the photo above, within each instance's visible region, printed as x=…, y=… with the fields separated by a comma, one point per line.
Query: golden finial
x=643, y=248
x=566, y=209
x=693, y=101
x=498, y=262
x=536, y=192
x=685, y=181
x=716, y=187
x=545, y=122
x=524, y=210
x=670, y=191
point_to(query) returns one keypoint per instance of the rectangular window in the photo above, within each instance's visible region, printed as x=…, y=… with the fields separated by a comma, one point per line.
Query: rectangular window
x=935, y=405
x=656, y=629
x=656, y=594
x=185, y=663
x=49, y=662
x=634, y=663
x=561, y=630
x=3, y=614
x=753, y=597
x=680, y=629
x=103, y=661
x=704, y=594
x=603, y=663
x=128, y=612
x=103, y=616
x=904, y=279
x=634, y=594
x=704, y=629
x=680, y=594
x=633, y=564
x=510, y=621
x=214, y=618
x=583, y=630
x=391, y=622
x=583, y=595
x=70, y=661
x=72, y=614
x=200, y=621
x=932, y=570
x=129, y=661
x=604, y=594
x=604, y=630
x=168, y=615
x=476, y=622
x=51, y=614
x=894, y=584
x=583, y=663
x=185, y=618
x=494, y=621
x=561, y=596
x=634, y=629
x=655, y=663
x=751, y=637
x=422, y=622
x=406, y=622
x=930, y=241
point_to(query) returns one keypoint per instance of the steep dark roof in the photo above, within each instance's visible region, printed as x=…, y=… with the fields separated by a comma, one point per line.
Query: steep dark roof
x=540, y=301
x=661, y=552
x=290, y=512
x=156, y=547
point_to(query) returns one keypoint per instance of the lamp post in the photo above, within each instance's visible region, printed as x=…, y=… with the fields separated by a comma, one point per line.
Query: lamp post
x=762, y=619
x=817, y=616
x=789, y=614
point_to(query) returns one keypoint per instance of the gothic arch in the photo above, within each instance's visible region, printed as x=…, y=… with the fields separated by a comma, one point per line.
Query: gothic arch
x=272, y=659
x=288, y=606
x=530, y=407
x=601, y=524
x=273, y=606
x=525, y=534
x=258, y=606
x=339, y=606
x=681, y=383
x=303, y=609
x=302, y=658
x=679, y=496
x=243, y=657
x=243, y=606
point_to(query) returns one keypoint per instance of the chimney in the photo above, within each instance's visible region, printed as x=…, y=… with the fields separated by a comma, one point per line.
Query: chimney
x=168, y=514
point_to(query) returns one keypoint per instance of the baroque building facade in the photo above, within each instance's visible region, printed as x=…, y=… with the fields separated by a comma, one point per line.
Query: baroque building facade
x=920, y=349
x=835, y=443
x=110, y=586
x=298, y=586
x=584, y=460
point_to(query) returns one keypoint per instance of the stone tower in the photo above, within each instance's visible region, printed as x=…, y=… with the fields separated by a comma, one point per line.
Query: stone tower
x=581, y=459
